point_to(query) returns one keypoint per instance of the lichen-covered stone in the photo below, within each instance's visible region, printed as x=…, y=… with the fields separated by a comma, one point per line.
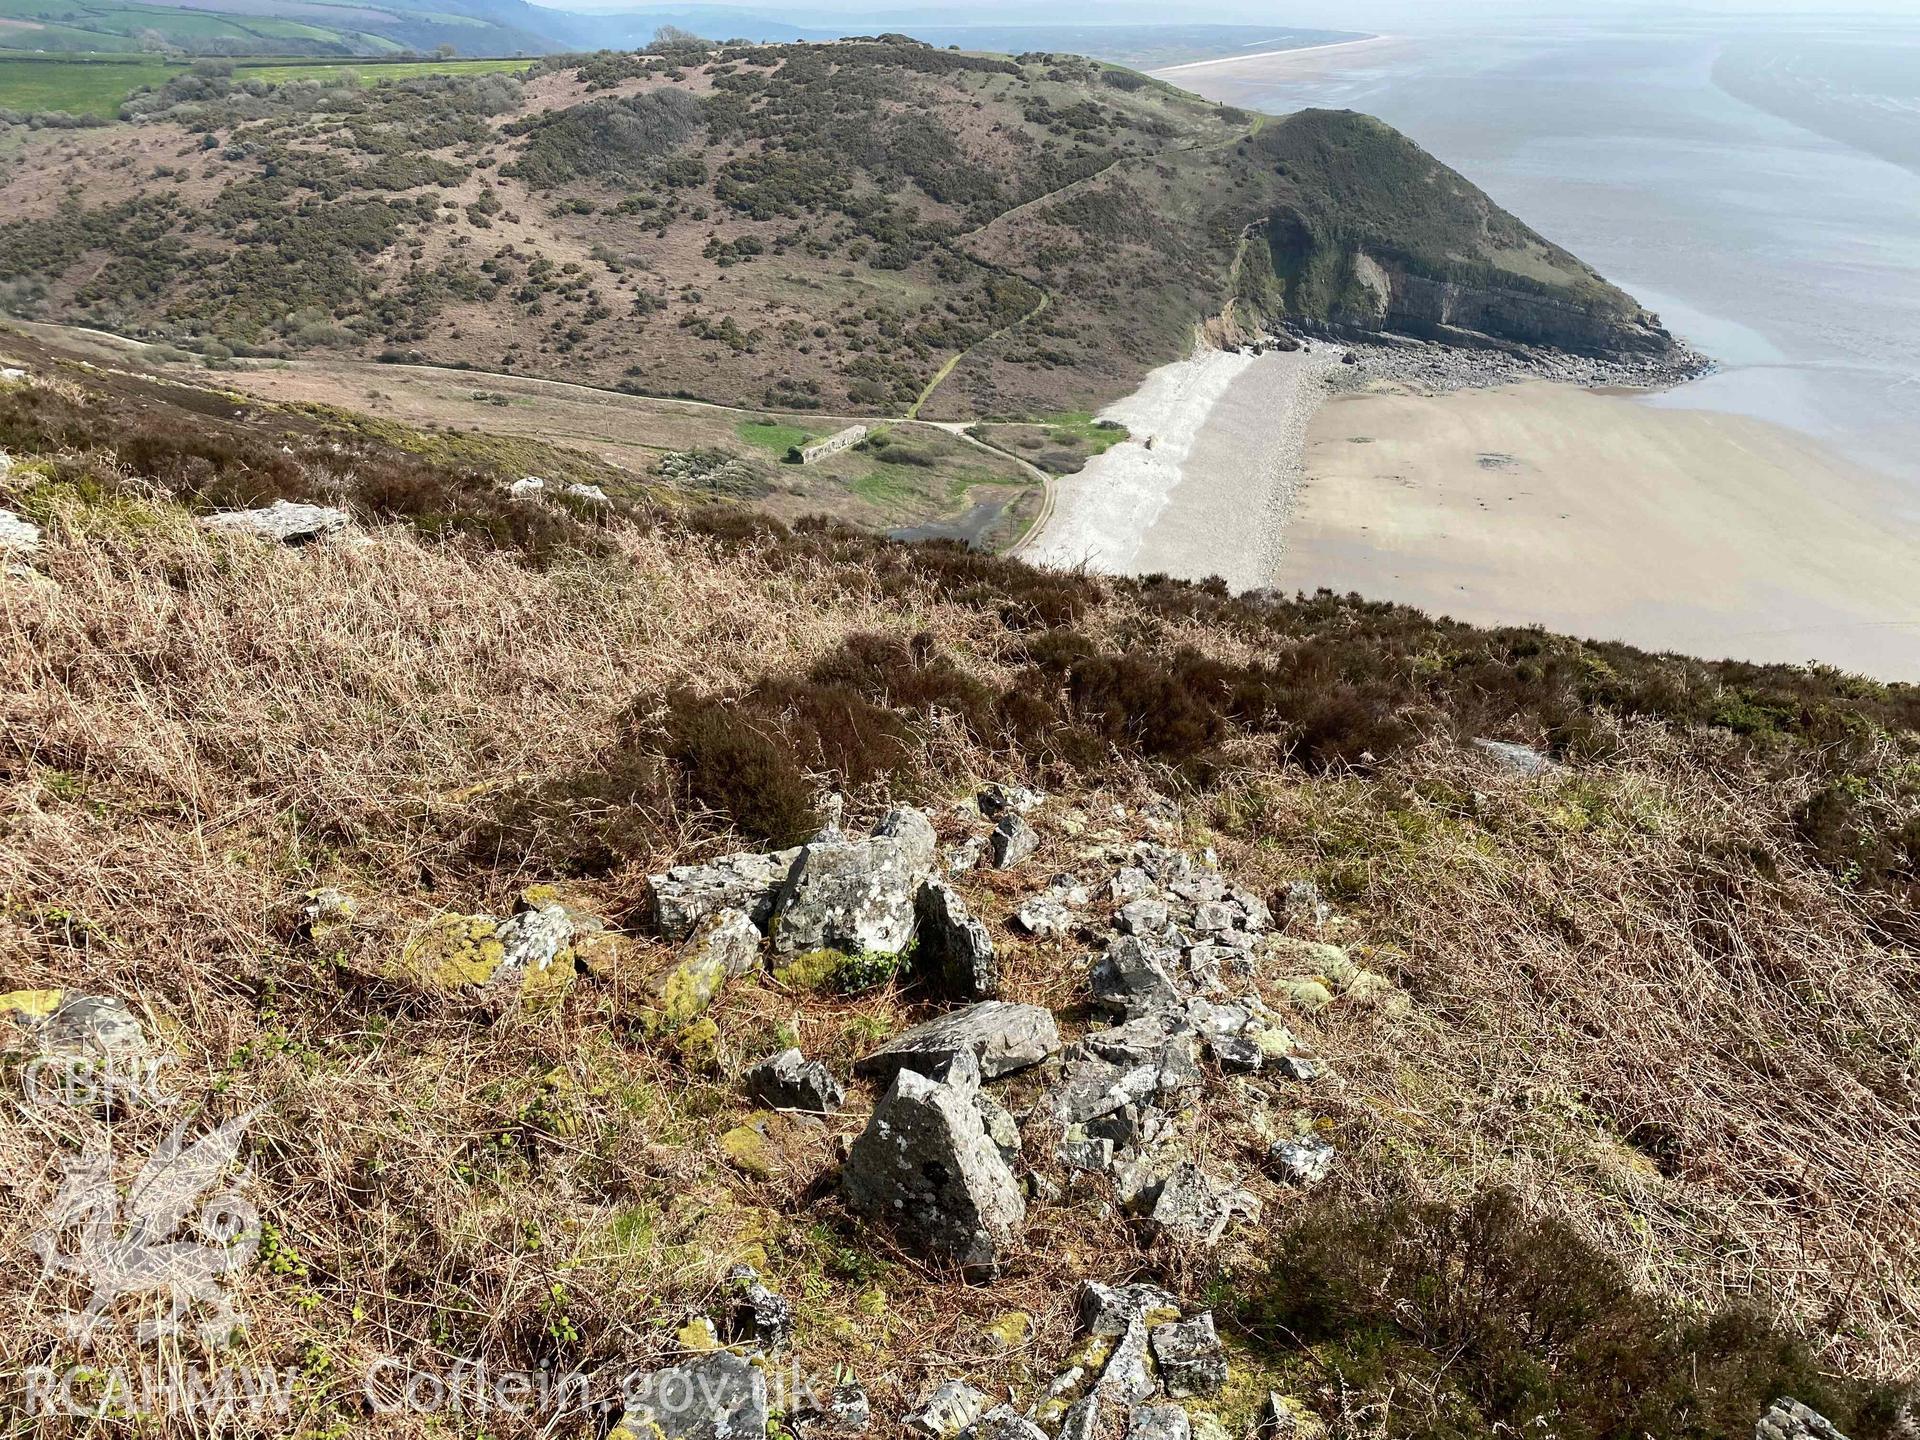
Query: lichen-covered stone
x=286, y=521
x=1003, y=1422
x=853, y=896
x=1788, y=1419
x=1044, y=916
x=1302, y=1162
x=843, y=1410
x=1132, y=978
x=996, y=799
x=97, y=1026
x=724, y=944
x=1190, y=1357
x=760, y=1318
x=952, y=1409
x=1082, y=1420
x=1110, y=1309
x=790, y=1081
x=717, y=1396
x=687, y=894
x=1158, y=1422
x=955, y=948
x=1194, y=1208
x=18, y=536
x=1012, y=841
x=926, y=1167
x=1128, y=1376
x=527, y=958
x=1002, y=1037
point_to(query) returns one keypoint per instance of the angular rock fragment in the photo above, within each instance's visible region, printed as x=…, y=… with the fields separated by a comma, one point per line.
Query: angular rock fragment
x=592, y=494
x=843, y=1410
x=1044, y=916
x=996, y=800
x=1003, y=1422
x=926, y=1167
x=1194, y=1208
x=855, y=896
x=1788, y=1419
x=1013, y=840
x=1129, y=1374
x=1145, y=916
x=1517, y=759
x=1110, y=1309
x=1302, y=1162
x=790, y=1081
x=1293, y=1067
x=527, y=958
x=1190, y=1357
x=98, y=1027
x=913, y=832
x=18, y=536
x=760, y=1318
x=1002, y=1037
x=954, y=1407
x=718, y=1396
x=955, y=946
x=1159, y=1422
x=1085, y=1152
x=1082, y=1420
x=687, y=894
x=1131, y=978
x=284, y=521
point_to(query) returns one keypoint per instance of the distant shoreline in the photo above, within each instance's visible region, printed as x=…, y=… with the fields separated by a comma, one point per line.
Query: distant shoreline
x=1269, y=55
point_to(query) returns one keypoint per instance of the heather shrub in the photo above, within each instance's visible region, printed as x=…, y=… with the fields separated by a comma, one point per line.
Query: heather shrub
x=1484, y=1318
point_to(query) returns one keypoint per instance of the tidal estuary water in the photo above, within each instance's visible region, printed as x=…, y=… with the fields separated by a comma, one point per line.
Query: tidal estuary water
x=1757, y=182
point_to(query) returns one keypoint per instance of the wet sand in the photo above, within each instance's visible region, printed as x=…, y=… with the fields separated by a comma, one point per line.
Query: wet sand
x=1603, y=516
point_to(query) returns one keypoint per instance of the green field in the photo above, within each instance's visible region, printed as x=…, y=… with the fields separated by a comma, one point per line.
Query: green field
x=1069, y=426
x=373, y=71
x=78, y=86
x=96, y=84
x=768, y=435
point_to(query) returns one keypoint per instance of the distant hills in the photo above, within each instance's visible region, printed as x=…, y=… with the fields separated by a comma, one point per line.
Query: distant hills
x=513, y=27
x=849, y=228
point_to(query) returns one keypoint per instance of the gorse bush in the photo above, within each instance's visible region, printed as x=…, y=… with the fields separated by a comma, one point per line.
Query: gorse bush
x=1483, y=1319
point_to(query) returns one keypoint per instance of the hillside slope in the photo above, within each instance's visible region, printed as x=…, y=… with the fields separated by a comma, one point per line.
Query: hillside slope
x=839, y=226
x=1584, y=1102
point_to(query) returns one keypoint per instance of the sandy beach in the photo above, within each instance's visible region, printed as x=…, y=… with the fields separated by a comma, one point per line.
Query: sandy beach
x=1211, y=494
x=1603, y=516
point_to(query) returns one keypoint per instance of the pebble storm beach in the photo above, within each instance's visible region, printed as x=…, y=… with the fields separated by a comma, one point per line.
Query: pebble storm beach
x=1770, y=511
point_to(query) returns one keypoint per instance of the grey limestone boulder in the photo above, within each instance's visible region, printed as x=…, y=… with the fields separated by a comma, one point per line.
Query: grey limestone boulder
x=18, y=536
x=1190, y=1356
x=953, y=1408
x=718, y=1396
x=1302, y=1162
x=1159, y=1422
x=1133, y=979
x=1013, y=840
x=1001, y=1037
x=1788, y=1419
x=284, y=521
x=790, y=1081
x=857, y=896
x=954, y=946
x=927, y=1168
x=687, y=894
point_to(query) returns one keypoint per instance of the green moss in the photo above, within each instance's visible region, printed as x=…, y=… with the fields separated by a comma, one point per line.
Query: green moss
x=746, y=1146
x=453, y=952
x=699, y=1047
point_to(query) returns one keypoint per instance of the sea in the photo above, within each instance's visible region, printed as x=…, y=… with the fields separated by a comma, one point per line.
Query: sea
x=1754, y=179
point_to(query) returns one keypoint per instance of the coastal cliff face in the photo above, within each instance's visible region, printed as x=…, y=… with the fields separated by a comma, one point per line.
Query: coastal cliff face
x=1370, y=234
x=1371, y=296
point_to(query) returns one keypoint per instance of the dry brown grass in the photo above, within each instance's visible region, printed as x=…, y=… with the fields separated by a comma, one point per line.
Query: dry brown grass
x=204, y=730
x=1636, y=1007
